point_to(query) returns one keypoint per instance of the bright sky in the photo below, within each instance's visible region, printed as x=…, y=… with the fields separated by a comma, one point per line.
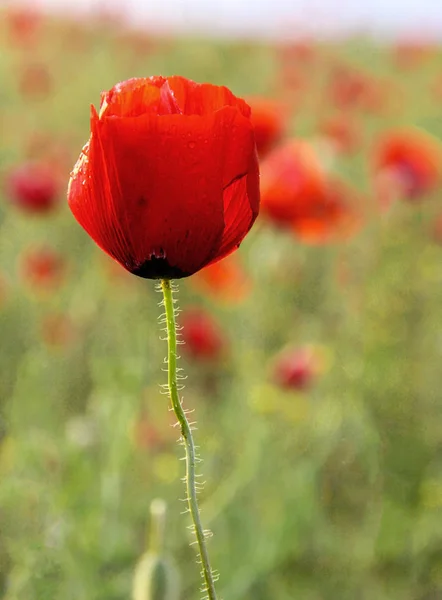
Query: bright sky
x=419, y=17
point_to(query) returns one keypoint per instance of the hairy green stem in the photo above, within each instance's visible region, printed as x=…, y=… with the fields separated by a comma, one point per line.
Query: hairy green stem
x=191, y=459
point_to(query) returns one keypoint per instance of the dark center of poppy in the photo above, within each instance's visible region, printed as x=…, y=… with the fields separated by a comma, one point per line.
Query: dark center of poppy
x=158, y=268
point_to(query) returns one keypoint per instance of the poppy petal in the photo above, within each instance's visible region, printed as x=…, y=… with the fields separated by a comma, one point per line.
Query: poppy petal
x=204, y=98
x=154, y=207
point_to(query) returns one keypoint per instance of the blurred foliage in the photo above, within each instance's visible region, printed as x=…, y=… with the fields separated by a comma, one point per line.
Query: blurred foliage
x=333, y=493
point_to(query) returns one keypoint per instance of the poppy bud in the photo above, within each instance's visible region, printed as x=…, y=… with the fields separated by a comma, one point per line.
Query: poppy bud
x=156, y=576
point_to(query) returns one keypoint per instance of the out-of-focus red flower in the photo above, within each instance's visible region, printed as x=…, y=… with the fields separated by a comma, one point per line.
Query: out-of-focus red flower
x=331, y=217
x=35, y=81
x=294, y=84
x=351, y=89
x=407, y=163
x=410, y=54
x=33, y=187
x=269, y=121
x=302, y=52
x=343, y=131
x=296, y=368
x=42, y=268
x=168, y=182
x=297, y=194
x=291, y=177
x=23, y=24
x=225, y=280
x=203, y=337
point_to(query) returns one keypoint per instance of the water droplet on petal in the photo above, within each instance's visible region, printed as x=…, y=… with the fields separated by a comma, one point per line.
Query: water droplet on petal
x=191, y=145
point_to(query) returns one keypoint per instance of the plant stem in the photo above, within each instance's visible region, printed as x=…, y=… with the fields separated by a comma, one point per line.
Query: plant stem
x=187, y=438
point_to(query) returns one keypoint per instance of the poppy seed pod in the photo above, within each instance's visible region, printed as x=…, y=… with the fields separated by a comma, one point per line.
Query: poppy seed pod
x=169, y=181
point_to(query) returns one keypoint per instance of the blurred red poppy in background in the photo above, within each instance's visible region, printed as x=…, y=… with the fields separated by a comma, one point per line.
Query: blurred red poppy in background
x=303, y=52
x=42, y=267
x=204, y=339
x=296, y=193
x=407, y=163
x=291, y=176
x=331, y=217
x=35, y=81
x=168, y=182
x=296, y=368
x=33, y=187
x=343, y=131
x=269, y=121
x=349, y=88
x=23, y=24
x=226, y=280
x=411, y=53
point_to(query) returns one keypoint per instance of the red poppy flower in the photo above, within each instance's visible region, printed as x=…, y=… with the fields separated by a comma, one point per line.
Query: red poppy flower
x=303, y=52
x=203, y=337
x=410, y=159
x=42, y=268
x=23, y=24
x=35, y=81
x=331, y=216
x=33, y=186
x=298, y=194
x=225, y=280
x=291, y=176
x=296, y=368
x=411, y=53
x=343, y=131
x=168, y=182
x=268, y=119
x=353, y=89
